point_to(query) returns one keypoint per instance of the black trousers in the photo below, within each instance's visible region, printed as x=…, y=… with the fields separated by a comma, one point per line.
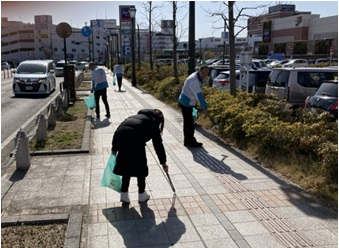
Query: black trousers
x=188, y=124
x=101, y=93
x=126, y=180
x=119, y=79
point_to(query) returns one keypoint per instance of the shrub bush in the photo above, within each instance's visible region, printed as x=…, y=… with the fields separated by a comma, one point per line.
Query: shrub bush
x=305, y=142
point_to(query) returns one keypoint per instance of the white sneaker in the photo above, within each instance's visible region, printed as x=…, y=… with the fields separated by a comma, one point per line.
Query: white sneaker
x=124, y=197
x=143, y=197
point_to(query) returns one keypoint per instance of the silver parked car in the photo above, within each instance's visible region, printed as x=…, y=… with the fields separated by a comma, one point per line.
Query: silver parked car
x=82, y=66
x=222, y=81
x=59, y=68
x=295, y=84
x=296, y=63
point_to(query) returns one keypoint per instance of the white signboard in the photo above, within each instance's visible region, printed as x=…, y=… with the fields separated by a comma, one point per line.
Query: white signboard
x=110, y=23
x=126, y=26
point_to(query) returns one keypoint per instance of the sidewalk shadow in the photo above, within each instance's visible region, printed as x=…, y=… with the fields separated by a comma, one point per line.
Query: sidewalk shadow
x=301, y=199
x=121, y=91
x=18, y=175
x=201, y=156
x=140, y=228
x=97, y=123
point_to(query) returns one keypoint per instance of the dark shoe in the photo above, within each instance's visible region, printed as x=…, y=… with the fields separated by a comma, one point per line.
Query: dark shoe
x=195, y=144
x=108, y=116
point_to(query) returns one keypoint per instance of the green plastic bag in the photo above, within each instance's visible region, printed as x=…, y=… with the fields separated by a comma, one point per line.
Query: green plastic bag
x=114, y=80
x=109, y=179
x=90, y=101
x=195, y=115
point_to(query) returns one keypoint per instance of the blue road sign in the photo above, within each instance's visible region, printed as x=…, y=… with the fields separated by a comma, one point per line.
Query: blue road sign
x=86, y=31
x=276, y=56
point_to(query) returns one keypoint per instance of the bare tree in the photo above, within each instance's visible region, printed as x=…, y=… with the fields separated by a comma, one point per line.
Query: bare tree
x=149, y=11
x=178, y=30
x=175, y=41
x=231, y=21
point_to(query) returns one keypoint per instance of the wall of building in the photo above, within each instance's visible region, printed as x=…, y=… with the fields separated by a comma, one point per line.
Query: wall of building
x=323, y=28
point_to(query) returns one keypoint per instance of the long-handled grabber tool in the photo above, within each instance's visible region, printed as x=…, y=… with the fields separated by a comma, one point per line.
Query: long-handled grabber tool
x=172, y=186
x=170, y=182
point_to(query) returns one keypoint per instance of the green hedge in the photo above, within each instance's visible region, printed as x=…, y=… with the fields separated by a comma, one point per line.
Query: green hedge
x=300, y=140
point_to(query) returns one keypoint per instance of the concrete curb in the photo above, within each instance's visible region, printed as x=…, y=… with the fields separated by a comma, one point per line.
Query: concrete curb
x=73, y=232
x=86, y=140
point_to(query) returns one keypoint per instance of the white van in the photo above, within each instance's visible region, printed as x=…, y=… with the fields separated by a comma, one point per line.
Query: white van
x=34, y=77
x=295, y=84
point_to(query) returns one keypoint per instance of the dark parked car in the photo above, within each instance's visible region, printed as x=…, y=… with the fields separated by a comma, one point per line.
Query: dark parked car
x=325, y=98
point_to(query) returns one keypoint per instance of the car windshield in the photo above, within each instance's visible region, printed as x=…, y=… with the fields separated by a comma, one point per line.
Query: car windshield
x=278, y=78
x=262, y=64
x=328, y=89
x=60, y=64
x=31, y=69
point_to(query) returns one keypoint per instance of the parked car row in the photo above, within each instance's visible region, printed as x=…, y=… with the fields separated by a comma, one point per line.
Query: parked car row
x=294, y=85
x=59, y=67
x=314, y=87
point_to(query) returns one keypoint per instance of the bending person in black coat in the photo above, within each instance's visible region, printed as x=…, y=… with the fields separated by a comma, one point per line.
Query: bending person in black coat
x=129, y=142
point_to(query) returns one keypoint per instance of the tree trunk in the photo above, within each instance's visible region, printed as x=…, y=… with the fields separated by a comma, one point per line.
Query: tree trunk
x=233, y=83
x=175, y=64
x=150, y=36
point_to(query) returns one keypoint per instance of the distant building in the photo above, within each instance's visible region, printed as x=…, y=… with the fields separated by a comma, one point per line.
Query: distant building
x=278, y=31
x=24, y=41
x=284, y=30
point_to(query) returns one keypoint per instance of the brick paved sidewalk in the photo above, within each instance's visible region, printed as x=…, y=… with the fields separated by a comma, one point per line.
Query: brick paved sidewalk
x=223, y=199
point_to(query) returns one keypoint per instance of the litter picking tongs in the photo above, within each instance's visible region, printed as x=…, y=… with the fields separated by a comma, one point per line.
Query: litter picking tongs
x=170, y=182
x=172, y=186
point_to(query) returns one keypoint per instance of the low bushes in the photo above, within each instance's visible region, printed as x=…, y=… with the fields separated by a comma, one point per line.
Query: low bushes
x=298, y=144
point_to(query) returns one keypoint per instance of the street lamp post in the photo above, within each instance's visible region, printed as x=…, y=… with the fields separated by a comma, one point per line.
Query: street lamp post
x=200, y=51
x=139, y=59
x=132, y=12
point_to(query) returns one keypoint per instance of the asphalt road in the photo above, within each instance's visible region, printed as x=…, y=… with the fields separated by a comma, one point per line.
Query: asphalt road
x=15, y=111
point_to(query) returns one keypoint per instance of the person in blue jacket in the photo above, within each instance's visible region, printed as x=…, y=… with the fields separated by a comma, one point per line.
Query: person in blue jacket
x=129, y=142
x=99, y=86
x=191, y=94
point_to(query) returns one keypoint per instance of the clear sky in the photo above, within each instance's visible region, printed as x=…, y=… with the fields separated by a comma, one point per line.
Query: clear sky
x=76, y=13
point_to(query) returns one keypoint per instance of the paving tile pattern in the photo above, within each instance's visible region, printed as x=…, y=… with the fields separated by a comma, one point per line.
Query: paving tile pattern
x=223, y=199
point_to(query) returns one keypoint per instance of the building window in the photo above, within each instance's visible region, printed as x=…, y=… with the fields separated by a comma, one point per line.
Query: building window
x=74, y=50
